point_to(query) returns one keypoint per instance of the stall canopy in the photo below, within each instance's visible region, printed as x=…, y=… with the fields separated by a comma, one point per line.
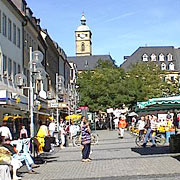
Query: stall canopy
x=73, y=117
x=165, y=103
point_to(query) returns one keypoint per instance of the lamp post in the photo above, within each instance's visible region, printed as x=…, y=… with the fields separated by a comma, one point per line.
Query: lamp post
x=68, y=100
x=36, y=73
x=31, y=94
x=59, y=91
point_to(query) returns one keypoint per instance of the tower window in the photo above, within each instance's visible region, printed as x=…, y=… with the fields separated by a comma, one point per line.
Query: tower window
x=82, y=46
x=78, y=35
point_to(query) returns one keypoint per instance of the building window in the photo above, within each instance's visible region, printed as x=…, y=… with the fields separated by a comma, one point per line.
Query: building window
x=4, y=64
x=78, y=35
x=19, y=68
x=27, y=40
x=163, y=66
x=30, y=41
x=171, y=67
x=32, y=44
x=18, y=37
x=153, y=57
x=164, y=79
x=72, y=74
x=172, y=78
x=145, y=57
x=28, y=77
x=161, y=57
x=86, y=35
x=14, y=69
x=23, y=7
x=9, y=30
x=82, y=46
x=24, y=38
x=1, y=59
x=4, y=25
x=169, y=57
x=14, y=34
x=9, y=67
x=86, y=64
x=0, y=21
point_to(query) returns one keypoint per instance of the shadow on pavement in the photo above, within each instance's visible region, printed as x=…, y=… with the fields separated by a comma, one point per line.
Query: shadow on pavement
x=45, y=159
x=151, y=150
x=177, y=157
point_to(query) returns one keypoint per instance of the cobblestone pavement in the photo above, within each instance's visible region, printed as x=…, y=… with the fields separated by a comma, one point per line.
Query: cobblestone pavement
x=113, y=158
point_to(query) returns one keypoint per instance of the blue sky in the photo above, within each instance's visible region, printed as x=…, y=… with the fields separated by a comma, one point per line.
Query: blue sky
x=118, y=27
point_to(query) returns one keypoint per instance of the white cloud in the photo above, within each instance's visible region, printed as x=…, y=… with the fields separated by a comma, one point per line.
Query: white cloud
x=121, y=16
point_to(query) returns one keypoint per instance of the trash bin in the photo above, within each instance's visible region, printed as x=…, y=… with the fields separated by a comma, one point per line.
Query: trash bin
x=174, y=143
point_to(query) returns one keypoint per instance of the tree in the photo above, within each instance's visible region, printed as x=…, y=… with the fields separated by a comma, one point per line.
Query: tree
x=110, y=86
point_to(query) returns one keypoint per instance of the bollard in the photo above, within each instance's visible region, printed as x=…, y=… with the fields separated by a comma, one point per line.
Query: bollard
x=174, y=143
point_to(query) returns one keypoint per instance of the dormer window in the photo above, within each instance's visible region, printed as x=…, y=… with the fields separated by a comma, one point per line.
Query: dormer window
x=161, y=57
x=171, y=66
x=163, y=66
x=169, y=57
x=145, y=57
x=86, y=63
x=153, y=57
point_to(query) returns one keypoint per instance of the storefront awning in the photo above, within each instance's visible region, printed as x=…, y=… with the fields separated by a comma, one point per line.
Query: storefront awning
x=165, y=103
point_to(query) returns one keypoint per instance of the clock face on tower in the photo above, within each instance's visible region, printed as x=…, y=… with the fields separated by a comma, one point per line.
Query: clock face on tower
x=82, y=35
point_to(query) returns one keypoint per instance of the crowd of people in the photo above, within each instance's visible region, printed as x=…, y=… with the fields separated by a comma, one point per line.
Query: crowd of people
x=150, y=124
x=17, y=152
x=12, y=152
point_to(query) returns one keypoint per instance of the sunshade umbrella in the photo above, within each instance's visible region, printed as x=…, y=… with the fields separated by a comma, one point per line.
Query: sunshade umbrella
x=132, y=114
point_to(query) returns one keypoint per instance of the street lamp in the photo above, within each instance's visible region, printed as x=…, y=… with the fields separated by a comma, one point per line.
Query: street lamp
x=68, y=91
x=36, y=73
x=59, y=91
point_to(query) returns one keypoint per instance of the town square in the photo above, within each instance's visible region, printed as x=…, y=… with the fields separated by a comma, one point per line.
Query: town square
x=89, y=90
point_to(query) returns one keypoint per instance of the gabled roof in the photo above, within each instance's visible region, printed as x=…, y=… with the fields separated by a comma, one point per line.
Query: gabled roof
x=157, y=50
x=88, y=62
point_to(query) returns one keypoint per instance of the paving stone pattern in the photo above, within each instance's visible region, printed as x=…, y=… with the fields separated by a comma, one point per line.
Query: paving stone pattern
x=112, y=158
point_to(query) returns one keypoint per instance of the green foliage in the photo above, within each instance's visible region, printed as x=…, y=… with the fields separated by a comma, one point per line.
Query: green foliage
x=110, y=86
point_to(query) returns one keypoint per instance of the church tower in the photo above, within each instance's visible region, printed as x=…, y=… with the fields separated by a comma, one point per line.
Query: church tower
x=83, y=39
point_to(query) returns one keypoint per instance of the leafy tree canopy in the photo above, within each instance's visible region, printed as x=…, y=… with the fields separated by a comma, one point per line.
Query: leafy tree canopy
x=110, y=86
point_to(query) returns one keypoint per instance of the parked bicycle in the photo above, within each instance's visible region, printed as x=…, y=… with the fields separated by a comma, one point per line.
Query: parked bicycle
x=77, y=139
x=159, y=139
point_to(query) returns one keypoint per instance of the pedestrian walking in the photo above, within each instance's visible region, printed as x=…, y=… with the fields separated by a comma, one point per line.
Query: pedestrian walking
x=63, y=136
x=122, y=126
x=85, y=140
x=150, y=126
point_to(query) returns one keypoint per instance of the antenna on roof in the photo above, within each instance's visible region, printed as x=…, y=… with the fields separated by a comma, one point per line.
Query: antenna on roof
x=146, y=45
